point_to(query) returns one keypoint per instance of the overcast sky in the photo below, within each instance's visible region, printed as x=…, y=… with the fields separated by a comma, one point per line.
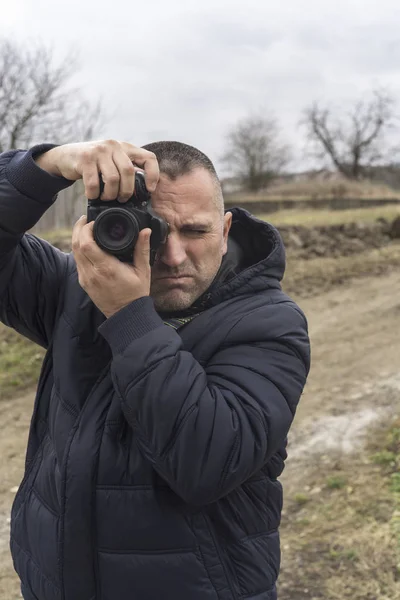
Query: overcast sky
x=189, y=69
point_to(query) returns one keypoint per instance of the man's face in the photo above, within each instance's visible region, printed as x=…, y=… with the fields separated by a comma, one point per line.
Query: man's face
x=189, y=260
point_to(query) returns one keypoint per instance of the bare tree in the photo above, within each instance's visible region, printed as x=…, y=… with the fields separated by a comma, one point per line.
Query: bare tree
x=254, y=152
x=36, y=103
x=356, y=141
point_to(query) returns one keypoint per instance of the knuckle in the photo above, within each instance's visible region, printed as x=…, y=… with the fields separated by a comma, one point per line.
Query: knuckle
x=85, y=246
x=88, y=155
x=107, y=146
x=101, y=148
x=113, y=178
x=105, y=271
x=128, y=169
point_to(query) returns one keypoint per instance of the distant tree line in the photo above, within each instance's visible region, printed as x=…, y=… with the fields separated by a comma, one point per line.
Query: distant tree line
x=354, y=141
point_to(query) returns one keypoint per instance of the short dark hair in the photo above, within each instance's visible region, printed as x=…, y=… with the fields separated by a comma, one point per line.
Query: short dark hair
x=176, y=159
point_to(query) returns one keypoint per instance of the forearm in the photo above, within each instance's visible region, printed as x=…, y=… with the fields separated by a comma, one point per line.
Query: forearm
x=26, y=191
x=205, y=430
x=30, y=269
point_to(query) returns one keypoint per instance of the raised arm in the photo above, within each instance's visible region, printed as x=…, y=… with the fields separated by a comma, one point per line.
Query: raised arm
x=31, y=270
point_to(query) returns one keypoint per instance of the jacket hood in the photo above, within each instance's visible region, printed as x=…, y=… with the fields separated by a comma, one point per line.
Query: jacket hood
x=257, y=249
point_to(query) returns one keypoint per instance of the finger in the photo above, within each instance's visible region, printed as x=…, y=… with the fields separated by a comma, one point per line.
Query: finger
x=81, y=260
x=126, y=172
x=88, y=246
x=76, y=233
x=145, y=159
x=141, y=255
x=91, y=180
x=110, y=176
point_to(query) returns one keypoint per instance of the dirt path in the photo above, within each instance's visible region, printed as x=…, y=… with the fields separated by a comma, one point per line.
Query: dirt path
x=14, y=418
x=355, y=381
x=355, y=374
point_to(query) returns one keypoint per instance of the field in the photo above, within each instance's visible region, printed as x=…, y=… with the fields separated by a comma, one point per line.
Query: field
x=312, y=218
x=319, y=189
x=341, y=522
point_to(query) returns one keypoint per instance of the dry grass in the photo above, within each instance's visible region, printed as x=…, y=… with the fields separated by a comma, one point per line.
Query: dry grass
x=313, y=218
x=341, y=542
x=304, y=278
x=20, y=363
x=320, y=190
x=61, y=238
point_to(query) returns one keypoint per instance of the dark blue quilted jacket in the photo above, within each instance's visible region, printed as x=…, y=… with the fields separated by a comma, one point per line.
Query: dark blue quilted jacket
x=153, y=454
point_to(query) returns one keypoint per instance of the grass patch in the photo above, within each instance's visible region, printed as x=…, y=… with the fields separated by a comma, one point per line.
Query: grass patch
x=301, y=499
x=20, y=362
x=61, y=238
x=347, y=545
x=313, y=218
x=395, y=483
x=341, y=554
x=336, y=482
x=385, y=458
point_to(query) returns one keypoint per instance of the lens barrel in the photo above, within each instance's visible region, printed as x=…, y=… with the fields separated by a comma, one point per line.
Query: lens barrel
x=115, y=230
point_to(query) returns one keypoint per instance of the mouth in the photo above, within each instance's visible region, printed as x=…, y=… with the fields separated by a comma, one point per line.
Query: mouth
x=174, y=278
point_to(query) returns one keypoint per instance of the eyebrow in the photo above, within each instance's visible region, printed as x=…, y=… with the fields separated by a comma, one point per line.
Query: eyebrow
x=196, y=225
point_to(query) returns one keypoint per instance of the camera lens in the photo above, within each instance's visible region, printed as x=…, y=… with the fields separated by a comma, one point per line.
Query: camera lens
x=116, y=230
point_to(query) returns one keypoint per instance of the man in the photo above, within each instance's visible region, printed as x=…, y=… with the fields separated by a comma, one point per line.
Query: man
x=166, y=394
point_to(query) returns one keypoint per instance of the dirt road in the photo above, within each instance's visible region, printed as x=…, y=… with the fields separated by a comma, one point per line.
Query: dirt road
x=355, y=381
x=355, y=374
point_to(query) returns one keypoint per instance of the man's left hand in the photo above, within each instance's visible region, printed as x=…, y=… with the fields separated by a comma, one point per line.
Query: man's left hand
x=110, y=283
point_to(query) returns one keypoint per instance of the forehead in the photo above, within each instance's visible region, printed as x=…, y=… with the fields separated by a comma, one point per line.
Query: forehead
x=189, y=196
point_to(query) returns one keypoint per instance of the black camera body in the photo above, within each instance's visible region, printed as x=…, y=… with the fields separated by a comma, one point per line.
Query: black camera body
x=117, y=225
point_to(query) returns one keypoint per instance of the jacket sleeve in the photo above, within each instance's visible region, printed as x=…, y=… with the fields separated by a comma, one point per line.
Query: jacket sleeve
x=31, y=270
x=207, y=429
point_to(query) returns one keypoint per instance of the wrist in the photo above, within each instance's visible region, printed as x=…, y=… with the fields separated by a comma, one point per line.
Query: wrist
x=130, y=323
x=47, y=161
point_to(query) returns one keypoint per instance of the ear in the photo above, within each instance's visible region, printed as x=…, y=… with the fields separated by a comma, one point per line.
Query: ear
x=227, y=226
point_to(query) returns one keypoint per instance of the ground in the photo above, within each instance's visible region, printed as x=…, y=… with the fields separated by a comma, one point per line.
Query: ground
x=353, y=389
x=334, y=496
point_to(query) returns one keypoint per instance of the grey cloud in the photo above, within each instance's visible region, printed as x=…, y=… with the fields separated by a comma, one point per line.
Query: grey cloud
x=189, y=70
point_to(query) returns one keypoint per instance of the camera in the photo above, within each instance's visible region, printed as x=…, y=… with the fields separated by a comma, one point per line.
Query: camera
x=116, y=225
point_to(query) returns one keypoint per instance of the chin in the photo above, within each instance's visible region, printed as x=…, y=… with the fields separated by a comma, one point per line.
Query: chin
x=172, y=302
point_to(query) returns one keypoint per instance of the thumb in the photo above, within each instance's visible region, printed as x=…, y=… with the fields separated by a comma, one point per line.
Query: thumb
x=141, y=255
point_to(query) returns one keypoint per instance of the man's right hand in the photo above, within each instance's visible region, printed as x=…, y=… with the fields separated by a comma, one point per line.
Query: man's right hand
x=116, y=161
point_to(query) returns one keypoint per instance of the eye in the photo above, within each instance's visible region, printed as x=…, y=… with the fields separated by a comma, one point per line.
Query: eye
x=195, y=231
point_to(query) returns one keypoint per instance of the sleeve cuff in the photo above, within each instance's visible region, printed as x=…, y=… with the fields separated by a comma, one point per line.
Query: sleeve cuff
x=130, y=323
x=32, y=181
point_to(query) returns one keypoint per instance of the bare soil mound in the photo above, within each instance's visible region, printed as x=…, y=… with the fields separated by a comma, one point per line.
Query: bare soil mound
x=337, y=240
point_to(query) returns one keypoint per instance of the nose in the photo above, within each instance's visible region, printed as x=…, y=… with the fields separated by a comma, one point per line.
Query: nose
x=173, y=252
